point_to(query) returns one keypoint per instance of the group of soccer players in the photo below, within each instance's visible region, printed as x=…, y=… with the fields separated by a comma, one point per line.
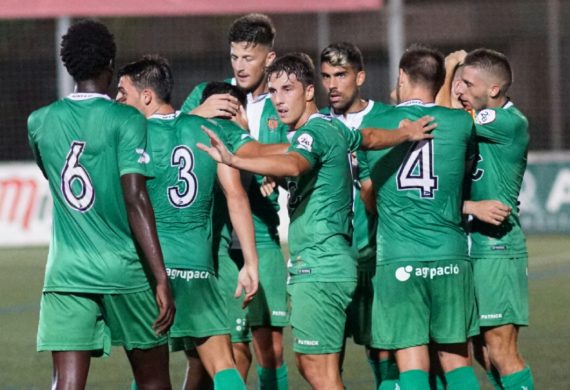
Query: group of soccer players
x=183, y=205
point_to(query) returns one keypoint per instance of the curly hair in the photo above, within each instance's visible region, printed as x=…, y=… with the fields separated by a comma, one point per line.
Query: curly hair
x=87, y=49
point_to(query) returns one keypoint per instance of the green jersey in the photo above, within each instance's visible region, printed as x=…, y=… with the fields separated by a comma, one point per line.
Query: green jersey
x=364, y=224
x=502, y=135
x=320, y=203
x=182, y=191
x=84, y=144
x=419, y=186
x=265, y=127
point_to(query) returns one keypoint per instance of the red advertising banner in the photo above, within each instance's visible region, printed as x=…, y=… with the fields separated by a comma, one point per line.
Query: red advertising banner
x=31, y=9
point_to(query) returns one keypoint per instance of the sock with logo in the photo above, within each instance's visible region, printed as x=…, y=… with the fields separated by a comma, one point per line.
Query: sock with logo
x=228, y=379
x=272, y=379
x=462, y=378
x=389, y=375
x=520, y=380
x=414, y=380
x=495, y=379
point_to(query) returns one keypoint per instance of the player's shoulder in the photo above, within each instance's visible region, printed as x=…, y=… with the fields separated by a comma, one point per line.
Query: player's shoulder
x=509, y=114
x=379, y=107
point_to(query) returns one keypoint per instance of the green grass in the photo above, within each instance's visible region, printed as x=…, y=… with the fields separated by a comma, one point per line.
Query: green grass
x=545, y=344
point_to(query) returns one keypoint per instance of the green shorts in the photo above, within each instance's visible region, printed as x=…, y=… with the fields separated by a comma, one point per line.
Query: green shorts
x=200, y=307
x=94, y=322
x=240, y=331
x=501, y=286
x=359, y=313
x=270, y=306
x=318, y=315
x=415, y=302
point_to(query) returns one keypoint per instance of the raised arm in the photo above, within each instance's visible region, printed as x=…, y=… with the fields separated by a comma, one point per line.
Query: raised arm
x=141, y=220
x=373, y=139
x=240, y=216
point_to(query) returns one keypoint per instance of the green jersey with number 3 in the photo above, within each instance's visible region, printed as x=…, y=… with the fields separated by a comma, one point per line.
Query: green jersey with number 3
x=502, y=135
x=182, y=191
x=419, y=186
x=320, y=203
x=84, y=144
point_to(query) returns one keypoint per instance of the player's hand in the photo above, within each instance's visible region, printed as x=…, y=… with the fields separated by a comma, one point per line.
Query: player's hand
x=218, y=150
x=455, y=58
x=268, y=185
x=418, y=130
x=488, y=211
x=248, y=280
x=222, y=105
x=166, y=308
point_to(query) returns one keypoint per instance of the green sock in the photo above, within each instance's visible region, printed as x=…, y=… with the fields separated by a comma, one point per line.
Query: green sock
x=462, y=378
x=520, y=380
x=272, y=379
x=376, y=370
x=389, y=375
x=414, y=380
x=495, y=379
x=228, y=379
x=133, y=385
x=436, y=381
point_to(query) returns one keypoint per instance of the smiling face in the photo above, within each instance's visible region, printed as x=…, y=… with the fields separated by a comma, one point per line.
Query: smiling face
x=474, y=89
x=249, y=62
x=129, y=94
x=342, y=84
x=290, y=98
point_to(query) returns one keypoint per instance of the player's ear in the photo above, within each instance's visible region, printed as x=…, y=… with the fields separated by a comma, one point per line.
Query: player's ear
x=494, y=91
x=147, y=96
x=360, y=77
x=309, y=92
x=270, y=58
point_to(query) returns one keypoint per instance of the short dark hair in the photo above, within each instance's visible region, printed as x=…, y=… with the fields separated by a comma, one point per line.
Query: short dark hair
x=425, y=66
x=216, y=87
x=298, y=64
x=152, y=72
x=493, y=62
x=343, y=54
x=253, y=29
x=87, y=49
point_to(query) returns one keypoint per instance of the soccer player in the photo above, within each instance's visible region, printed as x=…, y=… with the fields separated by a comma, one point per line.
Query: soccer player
x=499, y=254
x=423, y=288
x=96, y=292
x=322, y=266
x=342, y=75
x=251, y=39
x=182, y=196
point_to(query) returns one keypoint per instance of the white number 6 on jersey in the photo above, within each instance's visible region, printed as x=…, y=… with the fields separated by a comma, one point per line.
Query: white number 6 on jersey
x=76, y=185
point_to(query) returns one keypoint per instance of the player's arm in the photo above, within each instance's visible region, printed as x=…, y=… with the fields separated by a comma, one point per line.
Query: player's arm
x=289, y=164
x=452, y=62
x=221, y=105
x=367, y=195
x=494, y=125
x=240, y=216
x=257, y=149
x=373, y=139
x=488, y=211
x=141, y=220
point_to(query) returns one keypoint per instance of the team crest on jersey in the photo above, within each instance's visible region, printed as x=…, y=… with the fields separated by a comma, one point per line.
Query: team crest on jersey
x=144, y=156
x=486, y=116
x=305, y=141
x=272, y=123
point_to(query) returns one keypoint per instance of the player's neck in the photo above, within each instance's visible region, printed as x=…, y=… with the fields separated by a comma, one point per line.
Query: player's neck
x=310, y=109
x=498, y=102
x=91, y=86
x=357, y=106
x=159, y=109
x=418, y=94
x=260, y=89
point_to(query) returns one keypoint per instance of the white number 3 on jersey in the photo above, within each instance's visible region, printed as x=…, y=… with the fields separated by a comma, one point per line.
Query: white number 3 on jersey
x=76, y=185
x=183, y=194
x=416, y=172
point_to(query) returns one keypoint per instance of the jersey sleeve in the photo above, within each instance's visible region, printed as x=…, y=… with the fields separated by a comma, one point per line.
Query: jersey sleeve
x=307, y=144
x=363, y=167
x=495, y=125
x=233, y=135
x=133, y=154
x=193, y=100
x=353, y=136
x=32, y=127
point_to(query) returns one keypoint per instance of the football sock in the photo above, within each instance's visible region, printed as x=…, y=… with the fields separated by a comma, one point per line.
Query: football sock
x=520, y=380
x=437, y=381
x=228, y=379
x=389, y=375
x=375, y=365
x=414, y=380
x=272, y=379
x=462, y=378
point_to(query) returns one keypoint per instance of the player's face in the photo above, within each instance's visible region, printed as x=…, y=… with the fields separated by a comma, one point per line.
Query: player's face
x=249, y=62
x=289, y=97
x=127, y=93
x=473, y=89
x=342, y=84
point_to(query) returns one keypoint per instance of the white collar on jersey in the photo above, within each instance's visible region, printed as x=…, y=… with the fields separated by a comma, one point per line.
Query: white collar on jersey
x=250, y=98
x=165, y=117
x=85, y=96
x=508, y=104
x=366, y=110
x=415, y=102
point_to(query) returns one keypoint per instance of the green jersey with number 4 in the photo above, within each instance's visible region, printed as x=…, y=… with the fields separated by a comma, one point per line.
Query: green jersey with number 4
x=182, y=191
x=419, y=186
x=320, y=203
x=84, y=144
x=502, y=135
